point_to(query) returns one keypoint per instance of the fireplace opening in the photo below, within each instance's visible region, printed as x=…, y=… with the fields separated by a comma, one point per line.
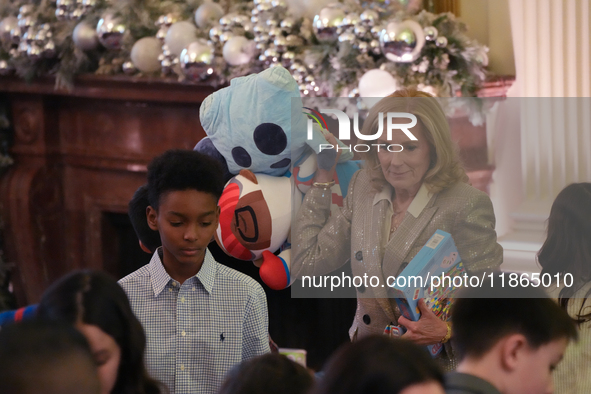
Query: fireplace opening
x=120, y=247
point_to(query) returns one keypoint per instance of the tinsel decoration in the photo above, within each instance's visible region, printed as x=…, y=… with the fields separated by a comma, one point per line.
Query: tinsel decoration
x=328, y=50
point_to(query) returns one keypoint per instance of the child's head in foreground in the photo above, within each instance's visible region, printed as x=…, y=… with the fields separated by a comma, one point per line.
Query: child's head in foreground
x=148, y=238
x=183, y=190
x=269, y=373
x=46, y=357
x=516, y=334
x=379, y=364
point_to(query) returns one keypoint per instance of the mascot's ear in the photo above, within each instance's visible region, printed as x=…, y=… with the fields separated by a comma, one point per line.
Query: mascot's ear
x=206, y=147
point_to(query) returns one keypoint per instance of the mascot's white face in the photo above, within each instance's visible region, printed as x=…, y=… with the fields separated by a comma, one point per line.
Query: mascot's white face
x=255, y=215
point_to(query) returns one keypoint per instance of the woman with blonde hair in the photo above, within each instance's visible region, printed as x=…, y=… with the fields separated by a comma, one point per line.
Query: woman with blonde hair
x=393, y=206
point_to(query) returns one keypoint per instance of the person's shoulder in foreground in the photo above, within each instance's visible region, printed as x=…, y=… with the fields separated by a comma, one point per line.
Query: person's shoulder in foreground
x=508, y=340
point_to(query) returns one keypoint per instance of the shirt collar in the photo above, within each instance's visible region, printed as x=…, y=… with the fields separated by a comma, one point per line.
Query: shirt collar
x=160, y=278
x=416, y=206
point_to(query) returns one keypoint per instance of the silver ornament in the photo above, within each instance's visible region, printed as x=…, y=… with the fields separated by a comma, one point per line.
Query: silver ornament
x=279, y=4
x=347, y=37
x=363, y=46
x=49, y=50
x=260, y=29
x=326, y=24
x=254, y=12
x=275, y=32
x=353, y=93
x=61, y=15
x=77, y=14
x=430, y=33
x=215, y=33
x=350, y=21
x=65, y=5
x=374, y=45
x=166, y=66
x=110, y=31
x=376, y=30
x=226, y=21
x=264, y=7
x=169, y=20
x=6, y=26
x=441, y=41
x=25, y=23
x=160, y=21
x=369, y=17
x=287, y=58
x=254, y=19
x=5, y=68
x=34, y=52
x=260, y=46
x=88, y=4
x=263, y=58
x=272, y=55
x=161, y=33
x=402, y=42
x=280, y=43
x=240, y=20
x=360, y=31
x=196, y=61
x=287, y=24
x=225, y=36
x=84, y=37
x=29, y=36
x=166, y=52
x=272, y=23
x=16, y=35
x=128, y=68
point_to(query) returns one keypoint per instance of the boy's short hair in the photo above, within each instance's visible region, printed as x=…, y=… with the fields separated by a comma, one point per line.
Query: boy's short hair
x=177, y=170
x=137, y=214
x=481, y=316
x=269, y=373
x=46, y=357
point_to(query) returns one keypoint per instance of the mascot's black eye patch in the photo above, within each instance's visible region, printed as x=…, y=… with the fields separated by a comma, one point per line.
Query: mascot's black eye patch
x=281, y=163
x=270, y=138
x=241, y=157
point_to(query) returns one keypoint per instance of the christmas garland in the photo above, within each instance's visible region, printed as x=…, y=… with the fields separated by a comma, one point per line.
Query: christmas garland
x=198, y=40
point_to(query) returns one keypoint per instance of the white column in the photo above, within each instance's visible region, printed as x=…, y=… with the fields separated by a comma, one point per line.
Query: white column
x=553, y=66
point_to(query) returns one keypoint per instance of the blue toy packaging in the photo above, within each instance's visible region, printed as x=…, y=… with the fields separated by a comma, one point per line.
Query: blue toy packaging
x=430, y=275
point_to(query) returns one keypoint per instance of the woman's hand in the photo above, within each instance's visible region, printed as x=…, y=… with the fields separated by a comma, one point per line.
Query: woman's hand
x=325, y=172
x=428, y=330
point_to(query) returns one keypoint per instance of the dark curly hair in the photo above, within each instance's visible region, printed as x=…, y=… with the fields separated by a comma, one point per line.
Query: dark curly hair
x=137, y=215
x=177, y=170
x=567, y=248
x=94, y=298
x=378, y=364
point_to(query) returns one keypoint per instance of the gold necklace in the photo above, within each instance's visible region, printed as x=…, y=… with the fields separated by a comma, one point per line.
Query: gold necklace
x=393, y=226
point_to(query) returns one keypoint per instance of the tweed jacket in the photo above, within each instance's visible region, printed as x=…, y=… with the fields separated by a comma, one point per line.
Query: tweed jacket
x=322, y=243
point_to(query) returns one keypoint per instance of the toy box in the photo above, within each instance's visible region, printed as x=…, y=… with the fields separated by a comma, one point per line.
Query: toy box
x=438, y=257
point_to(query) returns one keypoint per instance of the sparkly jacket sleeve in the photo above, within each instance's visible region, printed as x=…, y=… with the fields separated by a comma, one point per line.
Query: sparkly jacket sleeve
x=475, y=235
x=321, y=242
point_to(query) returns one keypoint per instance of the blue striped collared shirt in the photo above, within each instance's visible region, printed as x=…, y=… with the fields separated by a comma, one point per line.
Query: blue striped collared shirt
x=197, y=331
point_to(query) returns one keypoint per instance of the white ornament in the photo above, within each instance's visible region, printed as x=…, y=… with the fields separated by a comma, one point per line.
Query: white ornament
x=179, y=36
x=84, y=37
x=208, y=14
x=144, y=54
x=238, y=50
x=376, y=84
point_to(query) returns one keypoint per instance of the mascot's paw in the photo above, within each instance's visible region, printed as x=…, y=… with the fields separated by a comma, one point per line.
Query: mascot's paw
x=274, y=271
